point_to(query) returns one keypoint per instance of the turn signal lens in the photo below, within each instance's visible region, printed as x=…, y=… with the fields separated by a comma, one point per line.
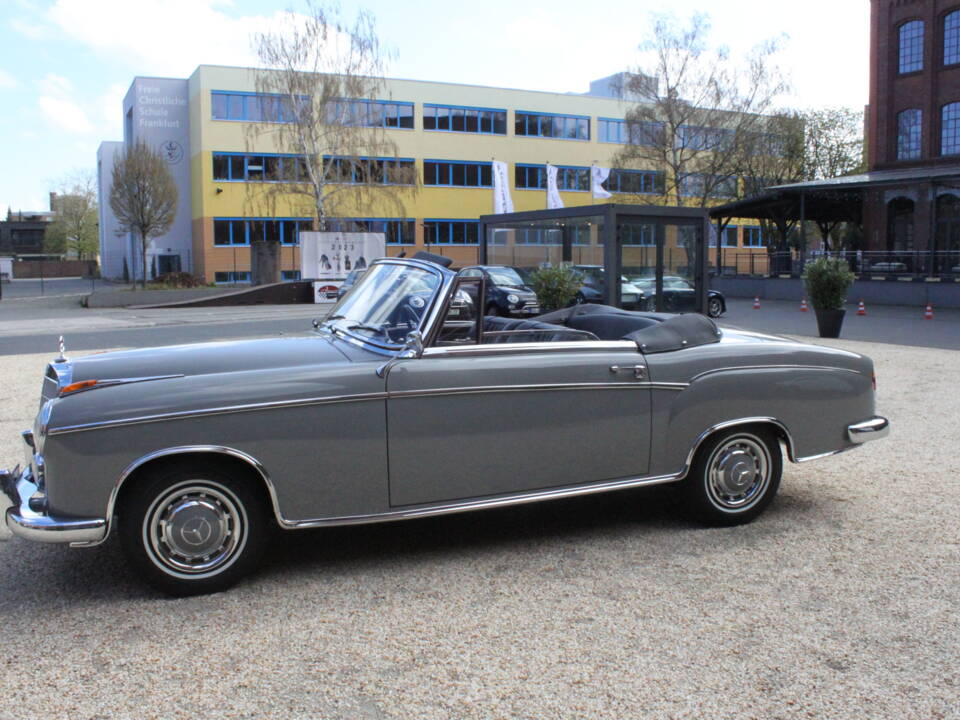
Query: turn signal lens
x=74, y=387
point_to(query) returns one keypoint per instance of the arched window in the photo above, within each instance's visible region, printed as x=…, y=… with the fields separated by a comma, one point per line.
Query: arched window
x=900, y=225
x=909, y=130
x=950, y=129
x=951, y=38
x=911, y=46
x=948, y=234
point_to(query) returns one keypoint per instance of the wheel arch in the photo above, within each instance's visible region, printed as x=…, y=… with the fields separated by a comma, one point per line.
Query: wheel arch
x=246, y=464
x=768, y=423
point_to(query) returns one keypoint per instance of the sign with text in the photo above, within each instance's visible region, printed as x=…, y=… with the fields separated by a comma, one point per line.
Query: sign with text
x=332, y=255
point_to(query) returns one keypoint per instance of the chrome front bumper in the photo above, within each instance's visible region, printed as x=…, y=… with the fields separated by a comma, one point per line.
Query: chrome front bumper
x=872, y=429
x=27, y=517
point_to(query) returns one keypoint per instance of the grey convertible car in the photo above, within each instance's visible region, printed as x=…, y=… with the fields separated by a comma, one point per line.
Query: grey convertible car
x=397, y=407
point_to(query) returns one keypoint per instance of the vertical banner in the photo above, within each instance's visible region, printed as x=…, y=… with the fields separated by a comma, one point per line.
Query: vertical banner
x=502, y=202
x=553, y=194
x=598, y=176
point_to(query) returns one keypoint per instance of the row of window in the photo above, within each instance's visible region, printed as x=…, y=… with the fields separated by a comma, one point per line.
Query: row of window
x=240, y=277
x=241, y=231
x=911, y=35
x=910, y=132
x=256, y=107
x=240, y=167
x=752, y=237
x=454, y=118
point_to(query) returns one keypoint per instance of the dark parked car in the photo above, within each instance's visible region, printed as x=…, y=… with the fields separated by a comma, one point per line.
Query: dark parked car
x=594, y=286
x=678, y=295
x=507, y=294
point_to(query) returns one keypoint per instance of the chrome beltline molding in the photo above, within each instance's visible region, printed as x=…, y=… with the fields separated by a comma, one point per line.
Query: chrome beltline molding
x=365, y=397
x=733, y=368
x=531, y=347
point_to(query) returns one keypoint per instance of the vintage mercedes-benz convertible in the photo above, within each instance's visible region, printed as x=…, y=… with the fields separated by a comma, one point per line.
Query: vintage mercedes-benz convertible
x=406, y=401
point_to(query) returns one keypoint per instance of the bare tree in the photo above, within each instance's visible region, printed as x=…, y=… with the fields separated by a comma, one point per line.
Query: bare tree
x=144, y=195
x=321, y=75
x=702, y=112
x=75, y=218
x=833, y=143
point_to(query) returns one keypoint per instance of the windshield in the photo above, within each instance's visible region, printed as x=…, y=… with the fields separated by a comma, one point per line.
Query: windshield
x=386, y=303
x=505, y=276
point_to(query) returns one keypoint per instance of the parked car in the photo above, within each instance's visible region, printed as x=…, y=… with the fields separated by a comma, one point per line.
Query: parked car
x=506, y=294
x=350, y=280
x=679, y=295
x=594, y=288
x=393, y=408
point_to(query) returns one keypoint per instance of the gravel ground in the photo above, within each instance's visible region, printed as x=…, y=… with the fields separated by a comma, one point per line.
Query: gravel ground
x=841, y=601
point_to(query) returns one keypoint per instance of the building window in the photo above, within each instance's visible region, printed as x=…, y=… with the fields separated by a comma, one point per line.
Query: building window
x=453, y=118
x=951, y=38
x=694, y=137
x=289, y=275
x=396, y=231
x=563, y=127
x=569, y=178
x=753, y=236
x=909, y=130
x=451, y=232
x=700, y=184
x=256, y=107
x=642, y=235
x=371, y=113
x=950, y=129
x=457, y=173
x=622, y=132
x=231, y=277
x=911, y=46
x=238, y=167
x=240, y=231
x=728, y=237
x=370, y=171
x=634, y=181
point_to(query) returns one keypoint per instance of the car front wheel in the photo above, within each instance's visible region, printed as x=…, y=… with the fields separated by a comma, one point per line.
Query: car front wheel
x=192, y=531
x=734, y=476
x=714, y=307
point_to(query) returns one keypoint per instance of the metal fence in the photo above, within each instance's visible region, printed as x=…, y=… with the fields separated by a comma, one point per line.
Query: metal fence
x=867, y=263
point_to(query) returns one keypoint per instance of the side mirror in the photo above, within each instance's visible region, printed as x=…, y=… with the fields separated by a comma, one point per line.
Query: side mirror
x=412, y=349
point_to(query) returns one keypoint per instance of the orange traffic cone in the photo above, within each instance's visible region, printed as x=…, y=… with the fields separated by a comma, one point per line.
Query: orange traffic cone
x=803, y=305
x=862, y=310
x=756, y=302
x=928, y=313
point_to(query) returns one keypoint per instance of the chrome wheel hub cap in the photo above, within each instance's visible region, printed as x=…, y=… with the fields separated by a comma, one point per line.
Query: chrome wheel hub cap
x=194, y=529
x=739, y=473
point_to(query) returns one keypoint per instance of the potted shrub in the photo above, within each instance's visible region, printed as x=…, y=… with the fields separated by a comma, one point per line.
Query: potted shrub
x=555, y=286
x=827, y=280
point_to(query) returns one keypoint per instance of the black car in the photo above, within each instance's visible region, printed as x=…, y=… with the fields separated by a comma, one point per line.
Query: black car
x=678, y=295
x=506, y=292
x=593, y=288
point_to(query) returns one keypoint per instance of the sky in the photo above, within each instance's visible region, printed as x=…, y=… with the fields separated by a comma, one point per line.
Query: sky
x=65, y=65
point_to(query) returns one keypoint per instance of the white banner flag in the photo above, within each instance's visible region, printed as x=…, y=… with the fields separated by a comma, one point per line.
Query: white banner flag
x=553, y=194
x=502, y=202
x=599, y=175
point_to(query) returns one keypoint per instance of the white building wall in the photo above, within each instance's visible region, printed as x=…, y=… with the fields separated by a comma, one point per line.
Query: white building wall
x=112, y=246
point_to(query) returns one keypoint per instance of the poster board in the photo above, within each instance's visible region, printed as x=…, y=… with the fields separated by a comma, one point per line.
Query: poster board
x=332, y=255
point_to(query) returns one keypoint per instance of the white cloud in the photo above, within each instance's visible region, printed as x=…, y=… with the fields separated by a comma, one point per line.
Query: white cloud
x=32, y=30
x=7, y=80
x=65, y=114
x=111, y=103
x=161, y=37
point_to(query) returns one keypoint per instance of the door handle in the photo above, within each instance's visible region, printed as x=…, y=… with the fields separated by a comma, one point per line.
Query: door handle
x=637, y=370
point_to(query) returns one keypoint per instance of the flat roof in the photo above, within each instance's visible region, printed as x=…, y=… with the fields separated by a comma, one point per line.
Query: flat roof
x=877, y=177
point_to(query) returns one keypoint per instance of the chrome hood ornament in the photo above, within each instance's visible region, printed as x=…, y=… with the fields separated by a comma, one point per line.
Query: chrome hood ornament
x=61, y=357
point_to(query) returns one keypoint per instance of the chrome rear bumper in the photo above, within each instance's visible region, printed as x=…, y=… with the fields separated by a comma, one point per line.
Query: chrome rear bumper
x=29, y=519
x=872, y=429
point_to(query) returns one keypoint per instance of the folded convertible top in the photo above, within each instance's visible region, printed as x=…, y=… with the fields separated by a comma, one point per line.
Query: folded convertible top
x=676, y=333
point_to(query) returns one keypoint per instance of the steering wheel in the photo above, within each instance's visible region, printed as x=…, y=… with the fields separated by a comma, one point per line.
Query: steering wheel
x=409, y=315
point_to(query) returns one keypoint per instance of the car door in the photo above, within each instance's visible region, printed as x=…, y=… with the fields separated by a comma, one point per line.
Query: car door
x=481, y=420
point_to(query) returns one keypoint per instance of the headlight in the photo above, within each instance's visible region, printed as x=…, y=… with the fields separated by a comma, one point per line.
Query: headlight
x=511, y=298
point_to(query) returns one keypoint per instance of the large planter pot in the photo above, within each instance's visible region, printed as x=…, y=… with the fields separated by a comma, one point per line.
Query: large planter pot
x=829, y=321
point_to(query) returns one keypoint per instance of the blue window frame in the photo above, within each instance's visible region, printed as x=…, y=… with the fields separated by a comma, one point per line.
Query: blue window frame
x=457, y=173
x=289, y=275
x=371, y=170
x=534, y=177
x=371, y=113
x=694, y=137
x=611, y=130
x=950, y=129
x=951, y=38
x=634, y=181
x=240, y=231
x=728, y=237
x=909, y=133
x=261, y=167
x=457, y=118
x=550, y=125
x=753, y=236
x=695, y=185
x=911, y=46
x=437, y=231
x=255, y=107
x=231, y=277
x=397, y=231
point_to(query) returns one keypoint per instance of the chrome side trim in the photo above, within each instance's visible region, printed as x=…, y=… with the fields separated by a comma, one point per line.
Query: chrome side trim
x=534, y=388
x=531, y=347
x=205, y=412
x=771, y=367
x=184, y=450
x=733, y=423
x=121, y=381
x=502, y=501
x=867, y=430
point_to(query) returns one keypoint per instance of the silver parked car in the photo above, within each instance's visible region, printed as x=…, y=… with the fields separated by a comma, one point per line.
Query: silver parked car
x=407, y=401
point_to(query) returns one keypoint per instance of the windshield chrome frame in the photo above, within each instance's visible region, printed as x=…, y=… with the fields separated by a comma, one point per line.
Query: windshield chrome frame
x=429, y=317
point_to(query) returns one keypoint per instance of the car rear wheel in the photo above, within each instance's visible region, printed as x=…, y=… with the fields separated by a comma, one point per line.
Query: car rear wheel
x=734, y=476
x=189, y=531
x=714, y=307
x=493, y=310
